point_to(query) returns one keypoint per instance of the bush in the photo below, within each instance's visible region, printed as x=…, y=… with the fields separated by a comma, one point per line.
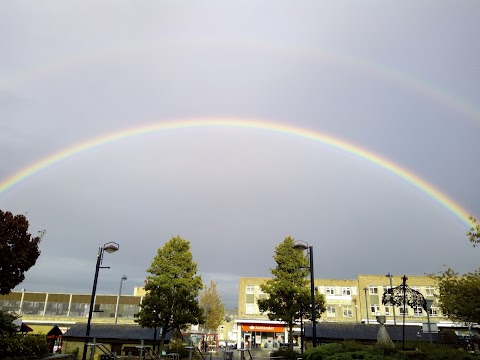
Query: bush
x=178, y=348
x=286, y=354
x=322, y=351
x=20, y=345
x=350, y=350
x=366, y=355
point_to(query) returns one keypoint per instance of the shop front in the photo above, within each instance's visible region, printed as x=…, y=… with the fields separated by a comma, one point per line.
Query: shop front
x=256, y=334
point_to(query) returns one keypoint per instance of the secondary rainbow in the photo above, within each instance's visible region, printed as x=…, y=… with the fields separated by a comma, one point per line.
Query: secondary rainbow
x=160, y=126
x=146, y=47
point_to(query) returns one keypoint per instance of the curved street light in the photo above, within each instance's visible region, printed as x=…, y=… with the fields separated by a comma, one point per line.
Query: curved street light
x=365, y=289
x=122, y=280
x=109, y=247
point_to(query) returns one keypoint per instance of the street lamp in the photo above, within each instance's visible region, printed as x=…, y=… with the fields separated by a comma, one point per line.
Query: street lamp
x=429, y=306
x=404, y=295
x=393, y=306
x=122, y=280
x=109, y=247
x=365, y=289
x=304, y=246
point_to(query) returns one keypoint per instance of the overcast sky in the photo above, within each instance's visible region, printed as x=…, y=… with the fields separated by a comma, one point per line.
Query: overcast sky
x=398, y=79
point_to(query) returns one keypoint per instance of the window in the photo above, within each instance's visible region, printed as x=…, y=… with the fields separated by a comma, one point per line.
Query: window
x=331, y=311
x=375, y=309
x=401, y=310
x=373, y=290
x=330, y=290
x=387, y=310
x=347, y=311
x=250, y=289
x=250, y=309
x=346, y=291
x=430, y=291
x=433, y=311
x=418, y=311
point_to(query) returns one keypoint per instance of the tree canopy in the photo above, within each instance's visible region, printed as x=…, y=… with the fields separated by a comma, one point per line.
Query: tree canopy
x=171, y=290
x=474, y=233
x=288, y=290
x=458, y=295
x=212, y=305
x=18, y=250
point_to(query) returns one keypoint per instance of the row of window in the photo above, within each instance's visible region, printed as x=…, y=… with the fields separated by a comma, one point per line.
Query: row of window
x=347, y=290
x=375, y=310
x=428, y=290
x=332, y=311
x=61, y=309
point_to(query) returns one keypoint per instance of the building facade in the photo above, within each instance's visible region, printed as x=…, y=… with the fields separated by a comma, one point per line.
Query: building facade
x=68, y=308
x=352, y=300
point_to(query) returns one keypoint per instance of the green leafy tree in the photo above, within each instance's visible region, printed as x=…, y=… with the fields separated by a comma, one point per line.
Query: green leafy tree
x=458, y=295
x=18, y=250
x=288, y=291
x=212, y=305
x=7, y=327
x=171, y=290
x=474, y=233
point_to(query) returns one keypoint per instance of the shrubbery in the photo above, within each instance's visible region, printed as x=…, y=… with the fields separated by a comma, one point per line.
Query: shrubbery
x=286, y=354
x=350, y=350
x=22, y=346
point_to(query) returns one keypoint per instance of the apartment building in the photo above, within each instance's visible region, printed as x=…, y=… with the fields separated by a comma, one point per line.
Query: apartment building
x=347, y=301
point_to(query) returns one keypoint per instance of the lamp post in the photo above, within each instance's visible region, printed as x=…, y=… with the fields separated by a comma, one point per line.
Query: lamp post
x=122, y=280
x=404, y=295
x=365, y=289
x=393, y=306
x=309, y=248
x=109, y=247
x=429, y=305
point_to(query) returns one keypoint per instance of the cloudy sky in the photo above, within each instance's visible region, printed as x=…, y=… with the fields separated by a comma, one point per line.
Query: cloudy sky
x=398, y=80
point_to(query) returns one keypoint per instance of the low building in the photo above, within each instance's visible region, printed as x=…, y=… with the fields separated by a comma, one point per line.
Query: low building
x=119, y=339
x=65, y=309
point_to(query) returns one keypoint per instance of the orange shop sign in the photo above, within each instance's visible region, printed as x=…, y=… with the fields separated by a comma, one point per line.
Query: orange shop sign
x=263, y=327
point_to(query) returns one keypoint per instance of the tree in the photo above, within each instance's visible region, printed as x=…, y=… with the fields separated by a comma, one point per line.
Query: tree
x=474, y=233
x=18, y=250
x=7, y=327
x=171, y=290
x=288, y=291
x=211, y=303
x=458, y=295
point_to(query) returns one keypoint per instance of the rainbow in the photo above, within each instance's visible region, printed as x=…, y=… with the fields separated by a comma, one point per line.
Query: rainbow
x=388, y=165
x=378, y=70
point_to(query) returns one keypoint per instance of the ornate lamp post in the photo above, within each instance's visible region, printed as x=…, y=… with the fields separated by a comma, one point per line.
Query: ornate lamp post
x=109, y=247
x=304, y=246
x=404, y=295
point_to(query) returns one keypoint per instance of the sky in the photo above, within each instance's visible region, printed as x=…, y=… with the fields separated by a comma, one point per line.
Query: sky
x=352, y=126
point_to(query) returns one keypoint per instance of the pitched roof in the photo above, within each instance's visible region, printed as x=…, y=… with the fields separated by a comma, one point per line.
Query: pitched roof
x=119, y=331
x=337, y=331
x=46, y=329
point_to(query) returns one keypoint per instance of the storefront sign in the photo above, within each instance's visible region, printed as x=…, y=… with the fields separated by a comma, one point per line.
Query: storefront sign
x=263, y=327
